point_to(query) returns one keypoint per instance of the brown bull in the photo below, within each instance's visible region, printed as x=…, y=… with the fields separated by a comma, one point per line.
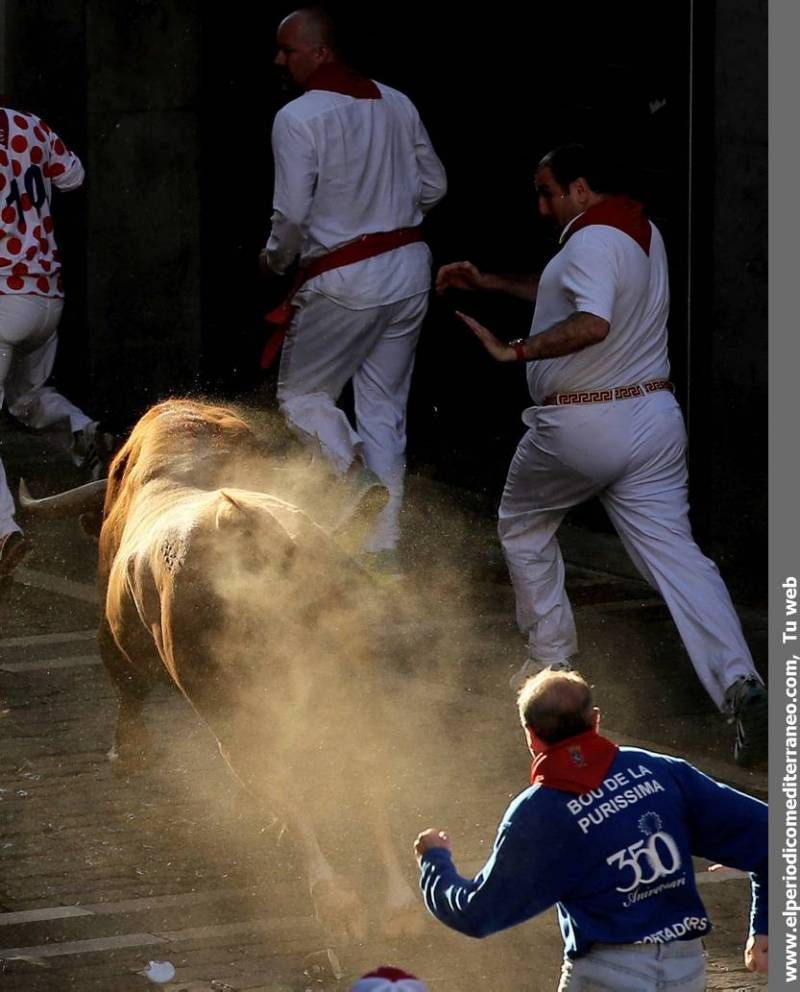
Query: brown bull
x=261, y=621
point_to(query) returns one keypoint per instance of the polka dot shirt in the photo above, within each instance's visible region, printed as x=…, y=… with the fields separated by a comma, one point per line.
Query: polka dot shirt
x=32, y=160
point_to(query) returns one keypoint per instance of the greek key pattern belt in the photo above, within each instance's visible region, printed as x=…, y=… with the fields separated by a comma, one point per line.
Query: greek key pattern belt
x=607, y=395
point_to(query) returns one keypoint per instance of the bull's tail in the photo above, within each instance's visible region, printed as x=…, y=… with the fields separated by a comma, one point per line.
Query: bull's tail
x=84, y=499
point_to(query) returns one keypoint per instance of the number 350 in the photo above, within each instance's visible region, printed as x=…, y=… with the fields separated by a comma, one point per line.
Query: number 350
x=649, y=860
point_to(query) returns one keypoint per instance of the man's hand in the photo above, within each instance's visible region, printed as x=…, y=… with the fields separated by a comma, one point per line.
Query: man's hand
x=755, y=952
x=459, y=275
x=430, y=838
x=263, y=265
x=499, y=351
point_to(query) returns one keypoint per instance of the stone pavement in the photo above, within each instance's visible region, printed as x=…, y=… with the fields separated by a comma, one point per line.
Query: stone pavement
x=101, y=875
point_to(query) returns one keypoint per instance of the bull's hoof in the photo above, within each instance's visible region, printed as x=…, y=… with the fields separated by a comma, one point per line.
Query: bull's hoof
x=129, y=761
x=339, y=910
x=404, y=921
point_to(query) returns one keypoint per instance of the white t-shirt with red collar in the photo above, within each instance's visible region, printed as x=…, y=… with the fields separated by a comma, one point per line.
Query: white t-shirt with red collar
x=603, y=271
x=32, y=159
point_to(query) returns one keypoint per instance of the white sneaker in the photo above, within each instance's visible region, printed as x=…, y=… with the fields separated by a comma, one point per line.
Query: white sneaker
x=532, y=667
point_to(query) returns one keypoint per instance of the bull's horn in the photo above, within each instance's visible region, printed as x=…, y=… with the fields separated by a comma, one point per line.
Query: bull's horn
x=66, y=504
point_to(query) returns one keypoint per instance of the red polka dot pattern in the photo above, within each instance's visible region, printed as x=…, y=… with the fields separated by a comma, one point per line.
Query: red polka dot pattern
x=29, y=259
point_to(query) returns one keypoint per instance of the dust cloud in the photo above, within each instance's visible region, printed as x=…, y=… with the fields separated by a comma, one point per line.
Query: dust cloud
x=341, y=702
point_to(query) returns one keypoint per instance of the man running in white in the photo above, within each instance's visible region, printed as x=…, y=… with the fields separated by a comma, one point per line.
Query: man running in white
x=606, y=423
x=355, y=173
x=32, y=160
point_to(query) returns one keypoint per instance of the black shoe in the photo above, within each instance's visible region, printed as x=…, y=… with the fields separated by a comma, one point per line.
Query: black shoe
x=746, y=701
x=13, y=548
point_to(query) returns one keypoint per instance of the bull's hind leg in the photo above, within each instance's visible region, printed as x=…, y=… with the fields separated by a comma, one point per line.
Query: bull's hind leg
x=132, y=748
x=337, y=906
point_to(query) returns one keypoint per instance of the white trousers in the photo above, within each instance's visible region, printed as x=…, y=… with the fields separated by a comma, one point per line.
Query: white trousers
x=28, y=343
x=631, y=454
x=328, y=345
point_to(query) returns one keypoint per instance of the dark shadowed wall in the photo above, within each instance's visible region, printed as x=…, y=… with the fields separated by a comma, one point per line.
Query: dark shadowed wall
x=170, y=102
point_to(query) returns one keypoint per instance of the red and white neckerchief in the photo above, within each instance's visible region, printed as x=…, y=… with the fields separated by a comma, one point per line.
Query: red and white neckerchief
x=337, y=78
x=577, y=764
x=622, y=212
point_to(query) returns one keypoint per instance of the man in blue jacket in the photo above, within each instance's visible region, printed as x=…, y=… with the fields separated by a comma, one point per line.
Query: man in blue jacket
x=606, y=834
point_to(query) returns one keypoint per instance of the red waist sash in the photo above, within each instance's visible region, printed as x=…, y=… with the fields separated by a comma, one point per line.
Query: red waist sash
x=367, y=246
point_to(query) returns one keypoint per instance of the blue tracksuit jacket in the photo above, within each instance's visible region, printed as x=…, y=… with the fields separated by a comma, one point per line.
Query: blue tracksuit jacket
x=617, y=861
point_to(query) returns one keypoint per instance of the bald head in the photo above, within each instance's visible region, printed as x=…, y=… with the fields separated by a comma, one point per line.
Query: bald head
x=312, y=25
x=305, y=42
x=556, y=705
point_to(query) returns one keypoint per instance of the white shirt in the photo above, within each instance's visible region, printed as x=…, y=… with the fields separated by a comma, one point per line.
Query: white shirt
x=602, y=271
x=344, y=167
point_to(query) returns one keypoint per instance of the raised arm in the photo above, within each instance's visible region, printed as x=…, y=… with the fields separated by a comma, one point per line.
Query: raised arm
x=515, y=884
x=465, y=275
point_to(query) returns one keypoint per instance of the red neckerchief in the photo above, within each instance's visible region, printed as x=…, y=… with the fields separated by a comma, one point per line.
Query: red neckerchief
x=577, y=764
x=337, y=78
x=622, y=212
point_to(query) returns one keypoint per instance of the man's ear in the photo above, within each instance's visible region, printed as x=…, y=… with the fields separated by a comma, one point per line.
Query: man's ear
x=535, y=745
x=581, y=189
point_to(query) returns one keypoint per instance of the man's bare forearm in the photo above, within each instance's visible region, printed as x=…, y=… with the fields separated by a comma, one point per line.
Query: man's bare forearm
x=580, y=330
x=521, y=285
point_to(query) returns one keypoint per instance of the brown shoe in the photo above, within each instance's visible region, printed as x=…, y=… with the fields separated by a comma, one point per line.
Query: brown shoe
x=13, y=548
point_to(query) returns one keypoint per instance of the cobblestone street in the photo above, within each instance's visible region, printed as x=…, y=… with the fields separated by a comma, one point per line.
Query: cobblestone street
x=101, y=875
